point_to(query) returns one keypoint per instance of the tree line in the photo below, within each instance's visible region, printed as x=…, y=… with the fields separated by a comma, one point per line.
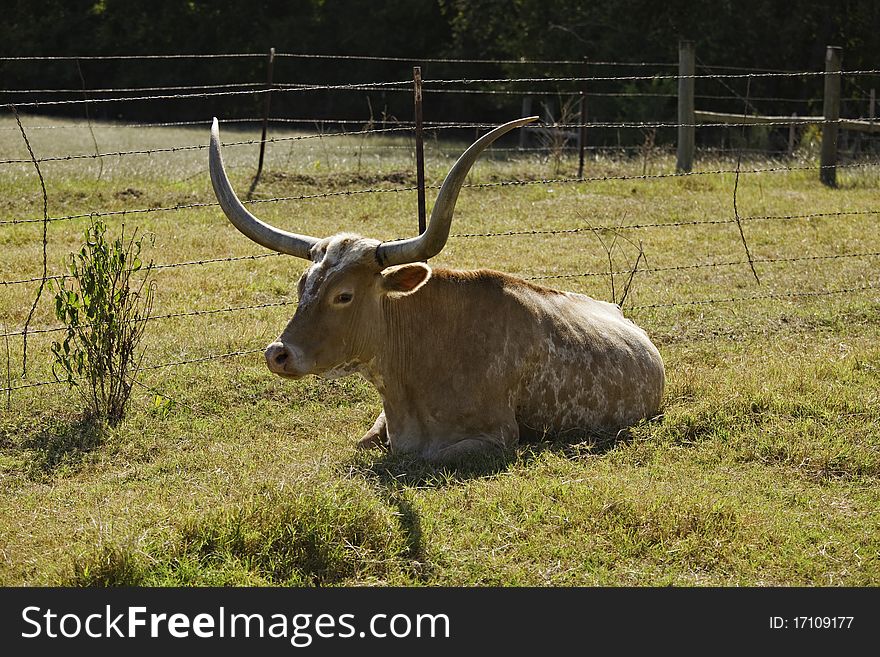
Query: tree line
x=747, y=33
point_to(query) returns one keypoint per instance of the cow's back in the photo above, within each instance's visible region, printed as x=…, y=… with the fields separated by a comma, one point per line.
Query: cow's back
x=589, y=368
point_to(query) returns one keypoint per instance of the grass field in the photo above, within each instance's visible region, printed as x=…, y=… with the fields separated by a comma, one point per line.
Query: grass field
x=764, y=468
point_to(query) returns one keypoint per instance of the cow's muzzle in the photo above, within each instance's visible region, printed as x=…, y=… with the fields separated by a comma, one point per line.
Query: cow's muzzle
x=284, y=360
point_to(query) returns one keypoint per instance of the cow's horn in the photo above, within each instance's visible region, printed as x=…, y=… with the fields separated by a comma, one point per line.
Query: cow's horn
x=260, y=232
x=432, y=241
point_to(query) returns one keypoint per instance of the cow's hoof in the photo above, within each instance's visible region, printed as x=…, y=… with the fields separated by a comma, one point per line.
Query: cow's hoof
x=372, y=441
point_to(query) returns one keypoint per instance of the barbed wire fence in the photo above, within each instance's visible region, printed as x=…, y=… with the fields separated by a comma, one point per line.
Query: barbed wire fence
x=580, y=87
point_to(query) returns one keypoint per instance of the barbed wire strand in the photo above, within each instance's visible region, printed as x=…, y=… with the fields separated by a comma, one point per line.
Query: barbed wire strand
x=394, y=190
x=627, y=78
x=746, y=102
x=435, y=148
x=405, y=126
x=89, y=121
x=187, y=263
x=11, y=389
x=528, y=92
x=189, y=313
x=198, y=147
x=742, y=234
x=776, y=295
x=447, y=60
x=188, y=206
x=112, y=126
x=431, y=60
x=413, y=60
x=189, y=361
x=188, y=87
x=619, y=227
x=8, y=369
x=44, y=58
x=202, y=359
x=196, y=313
x=779, y=296
x=45, y=241
x=159, y=393
x=672, y=224
x=213, y=94
x=706, y=265
x=278, y=88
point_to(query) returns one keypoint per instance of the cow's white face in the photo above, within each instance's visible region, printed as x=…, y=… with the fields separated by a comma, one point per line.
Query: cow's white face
x=339, y=318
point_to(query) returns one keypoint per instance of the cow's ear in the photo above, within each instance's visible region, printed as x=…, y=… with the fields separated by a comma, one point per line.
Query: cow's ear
x=405, y=279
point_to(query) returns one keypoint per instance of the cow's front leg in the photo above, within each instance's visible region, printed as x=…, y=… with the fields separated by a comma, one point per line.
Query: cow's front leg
x=377, y=436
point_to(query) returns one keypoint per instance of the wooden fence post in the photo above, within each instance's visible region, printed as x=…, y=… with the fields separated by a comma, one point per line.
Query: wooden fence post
x=830, y=116
x=686, y=67
x=792, y=132
x=582, y=132
x=420, y=147
x=268, y=99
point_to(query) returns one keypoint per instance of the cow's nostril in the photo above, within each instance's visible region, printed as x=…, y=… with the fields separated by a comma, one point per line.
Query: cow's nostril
x=277, y=356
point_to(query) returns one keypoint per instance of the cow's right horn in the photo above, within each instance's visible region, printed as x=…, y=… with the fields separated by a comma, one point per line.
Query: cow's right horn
x=432, y=241
x=260, y=232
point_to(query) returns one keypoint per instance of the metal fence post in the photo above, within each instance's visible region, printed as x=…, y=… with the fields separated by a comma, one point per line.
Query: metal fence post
x=420, y=147
x=792, y=134
x=270, y=65
x=523, y=132
x=582, y=132
x=872, y=107
x=686, y=67
x=830, y=116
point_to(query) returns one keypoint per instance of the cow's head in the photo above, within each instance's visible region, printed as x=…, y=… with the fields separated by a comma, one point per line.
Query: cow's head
x=341, y=293
x=335, y=325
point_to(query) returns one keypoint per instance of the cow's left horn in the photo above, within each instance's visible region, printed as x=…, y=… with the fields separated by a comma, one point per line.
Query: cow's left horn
x=259, y=232
x=432, y=241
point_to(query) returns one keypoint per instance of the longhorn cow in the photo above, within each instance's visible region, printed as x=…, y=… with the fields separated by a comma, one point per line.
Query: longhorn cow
x=464, y=361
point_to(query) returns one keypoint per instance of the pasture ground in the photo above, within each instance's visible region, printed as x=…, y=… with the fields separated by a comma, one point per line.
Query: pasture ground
x=764, y=468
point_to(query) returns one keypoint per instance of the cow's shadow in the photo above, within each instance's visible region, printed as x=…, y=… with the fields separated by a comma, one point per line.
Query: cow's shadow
x=395, y=476
x=393, y=471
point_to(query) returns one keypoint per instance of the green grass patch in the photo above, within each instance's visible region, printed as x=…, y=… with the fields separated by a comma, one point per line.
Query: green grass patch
x=315, y=536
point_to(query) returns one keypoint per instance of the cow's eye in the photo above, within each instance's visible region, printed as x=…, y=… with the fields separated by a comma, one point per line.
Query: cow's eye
x=343, y=298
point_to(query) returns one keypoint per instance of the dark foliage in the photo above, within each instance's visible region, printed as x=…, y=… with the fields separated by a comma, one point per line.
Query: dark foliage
x=746, y=33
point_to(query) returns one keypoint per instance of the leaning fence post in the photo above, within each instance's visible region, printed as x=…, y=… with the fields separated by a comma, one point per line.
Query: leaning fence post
x=582, y=133
x=420, y=147
x=523, y=132
x=686, y=120
x=830, y=116
x=268, y=95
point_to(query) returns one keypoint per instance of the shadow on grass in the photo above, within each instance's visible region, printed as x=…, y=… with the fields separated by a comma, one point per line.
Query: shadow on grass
x=394, y=476
x=392, y=471
x=61, y=442
x=416, y=558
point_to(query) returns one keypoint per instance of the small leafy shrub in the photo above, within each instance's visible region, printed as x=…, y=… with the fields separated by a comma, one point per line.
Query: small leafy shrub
x=105, y=310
